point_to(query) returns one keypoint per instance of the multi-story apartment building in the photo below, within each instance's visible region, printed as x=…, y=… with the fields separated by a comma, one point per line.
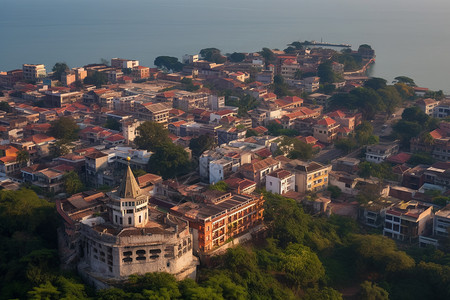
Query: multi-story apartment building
x=59, y=99
x=408, y=220
x=121, y=63
x=379, y=152
x=309, y=176
x=441, y=223
x=10, y=78
x=155, y=112
x=67, y=78
x=140, y=72
x=442, y=110
x=427, y=105
x=219, y=217
x=34, y=72
x=326, y=130
x=188, y=101
x=257, y=171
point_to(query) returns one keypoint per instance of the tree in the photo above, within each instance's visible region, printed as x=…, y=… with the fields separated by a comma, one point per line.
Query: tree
x=59, y=148
x=213, y=55
x=414, y=114
x=58, y=69
x=267, y=55
x=325, y=72
x=302, y=266
x=151, y=136
x=113, y=124
x=406, y=80
x=370, y=291
x=65, y=128
x=44, y=291
x=375, y=83
x=346, y=144
x=251, y=132
x=98, y=79
x=219, y=186
x=23, y=156
x=363, y=134
x=4, y=106
x=170, y=63
x=200, y=144
x=421, y=158
x=139, y=172
x=301, y=149
x=290, y=50
x=169, y=160
x=297, y=45
x=72, y=183
x=237, y=57
x=334, y=191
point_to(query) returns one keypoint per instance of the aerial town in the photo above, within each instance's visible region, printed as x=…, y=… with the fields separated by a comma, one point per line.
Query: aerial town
x=168, y=168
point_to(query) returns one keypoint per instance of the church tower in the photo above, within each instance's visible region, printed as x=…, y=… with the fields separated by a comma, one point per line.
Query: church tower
x=129, y=207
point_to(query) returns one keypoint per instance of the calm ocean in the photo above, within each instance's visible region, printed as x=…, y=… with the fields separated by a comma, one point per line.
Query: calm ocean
x=410, y=37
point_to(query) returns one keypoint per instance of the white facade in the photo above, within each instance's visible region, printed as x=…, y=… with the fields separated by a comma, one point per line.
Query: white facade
x=280, y=185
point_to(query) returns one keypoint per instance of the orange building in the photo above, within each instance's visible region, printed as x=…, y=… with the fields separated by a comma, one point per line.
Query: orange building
x=141, y=72
x=220, y=217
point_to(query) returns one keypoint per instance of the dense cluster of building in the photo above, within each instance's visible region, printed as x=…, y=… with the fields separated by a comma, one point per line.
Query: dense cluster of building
x=112, y=235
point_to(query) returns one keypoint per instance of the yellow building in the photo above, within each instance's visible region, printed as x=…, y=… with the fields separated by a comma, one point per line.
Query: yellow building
x=309, y=176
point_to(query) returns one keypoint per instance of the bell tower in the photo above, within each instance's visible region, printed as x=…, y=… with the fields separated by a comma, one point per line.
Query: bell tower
x=129, y=206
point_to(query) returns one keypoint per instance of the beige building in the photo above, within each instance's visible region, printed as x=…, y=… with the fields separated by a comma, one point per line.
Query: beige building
x=33, y=72
x=120, y=235
x=326, y=130
x=155, y=112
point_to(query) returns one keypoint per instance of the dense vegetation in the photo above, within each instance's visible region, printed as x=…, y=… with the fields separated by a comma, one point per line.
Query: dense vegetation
x=303, y=257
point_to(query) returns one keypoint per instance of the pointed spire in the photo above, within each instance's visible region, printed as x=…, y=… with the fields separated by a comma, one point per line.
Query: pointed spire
x=129, y=187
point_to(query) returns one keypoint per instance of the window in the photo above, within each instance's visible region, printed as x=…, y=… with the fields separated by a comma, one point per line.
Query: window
x=140, y=219
x=129, y=220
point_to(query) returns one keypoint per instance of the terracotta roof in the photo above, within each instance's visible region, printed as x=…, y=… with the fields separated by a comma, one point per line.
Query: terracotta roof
x=399, y=158
x=224, y=112
x=260, y=129
x=148, y=178
x=336, y=114
x=115, y=137
x=326, y=121
x=437, y=134
x=280, y=174
x=8, y=159
x=178, y=123
x=259, y=165
x=264, y=153
x=40, y=138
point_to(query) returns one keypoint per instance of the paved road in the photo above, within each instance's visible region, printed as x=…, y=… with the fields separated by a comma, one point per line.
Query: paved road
x=327, y=156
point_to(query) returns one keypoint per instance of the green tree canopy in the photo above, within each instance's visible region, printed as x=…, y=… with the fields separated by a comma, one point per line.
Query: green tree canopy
x=72, y=183
x=237, y=57
x=113, y=124
x=200, y=144
x=4, y=106
x=325, y=72
x=169, y=160
x=375, y=83
x=267, y=55
x=213, y=55
x=65, y=128
x=151, y=136
x=169, y=63
x=406, y=80
x=98, y=79
x=370, y=291
x=58, y=69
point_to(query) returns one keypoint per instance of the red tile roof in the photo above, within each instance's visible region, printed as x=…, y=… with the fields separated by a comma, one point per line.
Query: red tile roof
x=326, y=121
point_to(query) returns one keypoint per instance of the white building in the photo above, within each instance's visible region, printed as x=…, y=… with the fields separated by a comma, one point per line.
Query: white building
x=280, y=182
x=378, y=153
